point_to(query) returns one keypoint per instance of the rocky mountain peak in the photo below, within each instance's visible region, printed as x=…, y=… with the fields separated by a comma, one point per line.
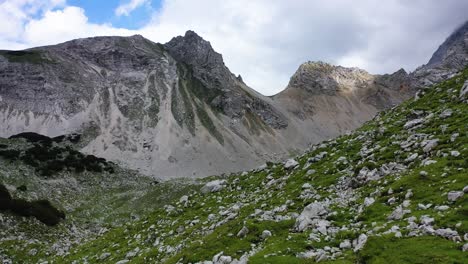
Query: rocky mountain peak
x=324, y=78
x=195, y=51
x=453, y=53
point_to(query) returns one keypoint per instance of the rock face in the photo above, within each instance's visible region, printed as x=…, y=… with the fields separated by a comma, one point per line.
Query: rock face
x=175, y=110
x=450, y=58
x=171, y=110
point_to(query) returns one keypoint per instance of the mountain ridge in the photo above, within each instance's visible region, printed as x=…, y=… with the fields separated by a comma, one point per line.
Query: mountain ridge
x=154, y=107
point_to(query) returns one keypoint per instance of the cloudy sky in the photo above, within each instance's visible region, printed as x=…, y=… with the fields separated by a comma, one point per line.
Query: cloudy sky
x=263, y=40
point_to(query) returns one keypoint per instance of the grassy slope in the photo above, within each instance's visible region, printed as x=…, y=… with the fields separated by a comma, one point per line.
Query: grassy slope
x=159, y=238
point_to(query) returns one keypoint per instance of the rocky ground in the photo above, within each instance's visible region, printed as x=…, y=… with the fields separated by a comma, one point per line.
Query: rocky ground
x=393, y=191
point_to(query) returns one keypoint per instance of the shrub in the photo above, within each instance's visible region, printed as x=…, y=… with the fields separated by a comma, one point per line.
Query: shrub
x=42, y=210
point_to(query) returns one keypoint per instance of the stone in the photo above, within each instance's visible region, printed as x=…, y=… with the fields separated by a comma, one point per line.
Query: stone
x=426, y=220
x=306, y=186
x=213, y=186
x=184, y=199
x=465, y=189
x=312, y=211
x=243, y=232
x=454, y=153
x=430, y=145
x=465, y=246
x=104, y=255
x=346, y=244
x=391, y=200
x=368, y=201
x=446, y=232
x=441, y=208
x=413, y=123
x=290, y=164
x=412, y=157
x=454, y=195
x=397, y=214
x=464, y=90
x=446, y=113
x=132, y=253
x=409, y=194
x=265, y=234
x=359, y=242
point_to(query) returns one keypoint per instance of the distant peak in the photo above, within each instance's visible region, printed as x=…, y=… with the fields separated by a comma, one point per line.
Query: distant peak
x=320, y=77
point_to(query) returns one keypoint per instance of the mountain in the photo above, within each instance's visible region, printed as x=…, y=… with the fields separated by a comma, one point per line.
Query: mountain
x=175, y=109
x=393, y=191
x=168, y=110
x=450, y=58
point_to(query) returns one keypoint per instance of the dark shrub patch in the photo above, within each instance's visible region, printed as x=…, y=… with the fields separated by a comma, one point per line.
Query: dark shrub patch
x=31, y=137
x=22, y=188
x=2, y=146
x=10, y=154
x=42, y=210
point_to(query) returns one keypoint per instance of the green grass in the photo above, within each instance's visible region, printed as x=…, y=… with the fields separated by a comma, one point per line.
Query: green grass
x=415, y=250
x=30, y=56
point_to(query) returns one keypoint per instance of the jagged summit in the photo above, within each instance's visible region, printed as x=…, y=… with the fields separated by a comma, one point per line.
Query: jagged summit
x=453, y=53
x=323, y=78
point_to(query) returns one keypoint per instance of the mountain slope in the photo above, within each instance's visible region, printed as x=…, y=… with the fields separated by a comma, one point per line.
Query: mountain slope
x=394, y=190
x=175, y=110
x=171, y=110
x=135, y=104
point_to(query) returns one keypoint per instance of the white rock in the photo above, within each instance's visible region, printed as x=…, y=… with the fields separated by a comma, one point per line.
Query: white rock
x=446, y=113
x=368, y=201
x=104, y=255
x=426, y=220
x=132, y=253
x=360, y=242
x=406, y=203
x=397, y=214
x=265, y=234
x=346, y=244
x=409, y=194
x=184, y=199
x=213, y=186
x=441, y=208
x=454, y=195
x=465, y=189
x=454, y=153
x=413, y=123
x=412, y=157
x=465, y=247
x=312, y=211
x=464, y=90
x=430, y=145
x=306, y=186
x=224, y=260
x=243, y=232
x=290, y=164
x=446, y=232
x=391, y=200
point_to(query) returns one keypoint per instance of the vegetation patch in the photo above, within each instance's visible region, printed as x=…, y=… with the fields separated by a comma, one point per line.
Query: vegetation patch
x=42, y=210
x=24, y=56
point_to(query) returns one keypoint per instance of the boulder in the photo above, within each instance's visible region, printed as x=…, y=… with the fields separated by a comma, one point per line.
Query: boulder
x=454, y=195
x=429, y=145
x=360, y=242
x=312, y=211
x=214, y=186
x=290, y=164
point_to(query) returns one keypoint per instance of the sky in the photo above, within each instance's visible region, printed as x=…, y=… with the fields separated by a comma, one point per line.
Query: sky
x=264, y=41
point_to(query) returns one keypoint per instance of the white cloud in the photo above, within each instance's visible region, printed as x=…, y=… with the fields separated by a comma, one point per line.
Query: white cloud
x=57, y=25
x=126, y=8
x=263, y=40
